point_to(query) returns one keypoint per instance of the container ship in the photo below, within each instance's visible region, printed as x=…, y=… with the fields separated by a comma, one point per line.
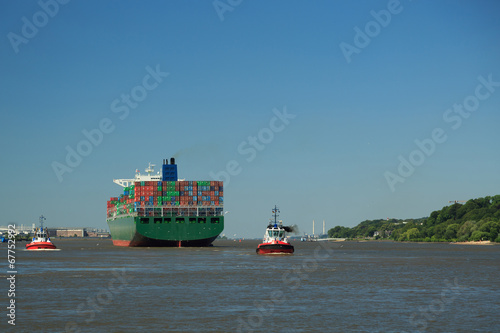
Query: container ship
x=160, y=210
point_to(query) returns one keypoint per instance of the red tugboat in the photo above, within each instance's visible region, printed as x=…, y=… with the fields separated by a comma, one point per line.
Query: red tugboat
x=41, y=241
x=275, y=239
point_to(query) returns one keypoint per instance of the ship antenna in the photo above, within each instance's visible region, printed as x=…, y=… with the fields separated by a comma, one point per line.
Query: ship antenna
x=42, y=218
x=150, y=168
x=275, y=213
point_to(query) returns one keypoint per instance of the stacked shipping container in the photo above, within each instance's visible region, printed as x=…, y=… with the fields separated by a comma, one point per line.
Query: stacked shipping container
x=145, y=196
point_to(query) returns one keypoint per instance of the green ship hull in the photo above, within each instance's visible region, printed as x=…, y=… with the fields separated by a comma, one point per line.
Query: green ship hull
x=178, y=231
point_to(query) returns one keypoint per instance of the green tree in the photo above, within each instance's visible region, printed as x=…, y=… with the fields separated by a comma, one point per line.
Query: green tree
x=339, y=232
x=451, y=231
x=439, y=231
x=465, y=229
x=491, y=228
x=413, y=234
x=479, y=235
x=495, y=202
x=432, y=218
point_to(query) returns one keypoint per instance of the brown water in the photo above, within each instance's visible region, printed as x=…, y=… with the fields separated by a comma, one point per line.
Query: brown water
x=90, y=285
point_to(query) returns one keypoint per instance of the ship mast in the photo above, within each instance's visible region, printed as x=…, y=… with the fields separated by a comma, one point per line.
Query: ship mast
x=275, y=214
x=150, y=169
x=42, y=218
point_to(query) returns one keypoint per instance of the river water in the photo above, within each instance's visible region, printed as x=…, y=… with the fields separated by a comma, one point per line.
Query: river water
x=91, y=285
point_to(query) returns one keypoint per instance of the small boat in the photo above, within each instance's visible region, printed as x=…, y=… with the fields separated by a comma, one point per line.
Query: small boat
x=41, y=241
x=275, y=239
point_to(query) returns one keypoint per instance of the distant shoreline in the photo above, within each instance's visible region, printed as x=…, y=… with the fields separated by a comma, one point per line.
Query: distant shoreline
x=487, y=242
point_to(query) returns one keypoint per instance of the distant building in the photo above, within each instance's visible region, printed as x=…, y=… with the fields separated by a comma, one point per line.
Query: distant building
x=60, y=232
x=67, y=232
x=100, y=234
x=78, y=232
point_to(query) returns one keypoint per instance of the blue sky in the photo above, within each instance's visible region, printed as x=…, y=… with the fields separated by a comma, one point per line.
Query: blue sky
x=352, y=118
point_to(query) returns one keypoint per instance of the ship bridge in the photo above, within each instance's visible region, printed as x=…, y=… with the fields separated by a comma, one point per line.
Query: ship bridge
x=169, y=173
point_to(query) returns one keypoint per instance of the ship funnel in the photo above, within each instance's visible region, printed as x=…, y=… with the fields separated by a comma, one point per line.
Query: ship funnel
x=169, y=172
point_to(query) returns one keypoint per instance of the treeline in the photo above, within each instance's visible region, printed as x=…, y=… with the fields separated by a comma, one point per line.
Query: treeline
x=477, y=219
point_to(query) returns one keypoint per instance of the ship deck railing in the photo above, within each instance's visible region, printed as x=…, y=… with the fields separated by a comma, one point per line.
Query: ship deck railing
x=167, y=211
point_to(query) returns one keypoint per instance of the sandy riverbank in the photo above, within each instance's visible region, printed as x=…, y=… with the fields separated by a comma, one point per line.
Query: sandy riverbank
x=475, y=243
